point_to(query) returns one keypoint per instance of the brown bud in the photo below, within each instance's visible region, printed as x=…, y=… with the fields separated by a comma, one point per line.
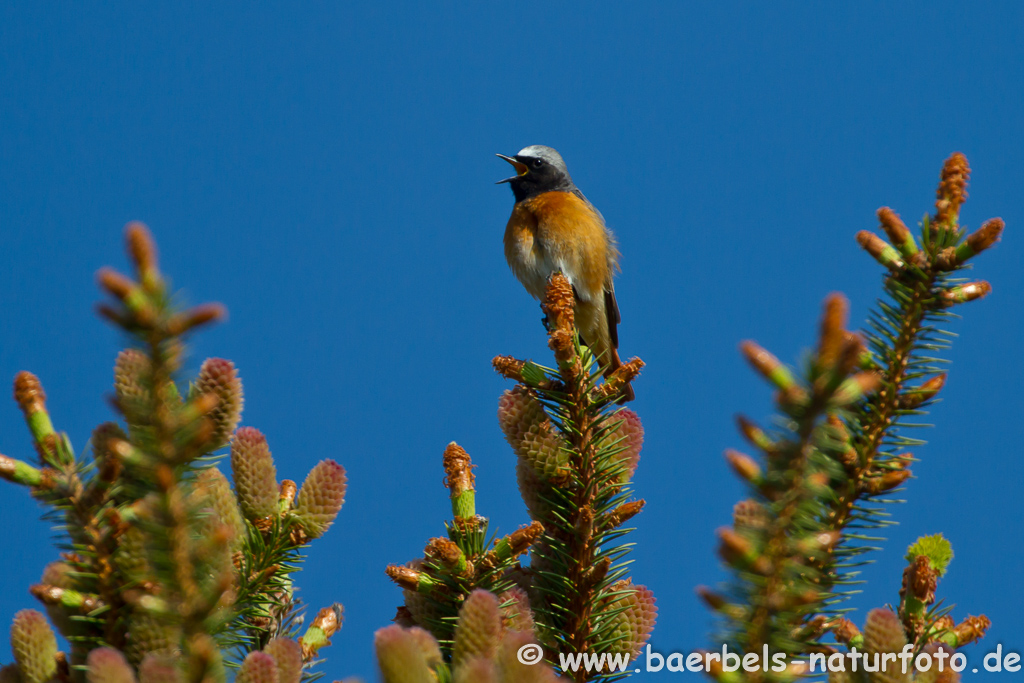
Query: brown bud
x=987, y=235
x=882, y=251
x=597, y=572
x=28, y=392
x=107, y=461
x=326, y=624
x=561, y=342
x=443, y=549
x=962, y=294
x=195, y=317
x=831, y=339
x=406, y=577
x=743, y=465
x=559, y=303
x=522, y=538
x=509, y=367
x=738, y=551
x=511, y=546
x=755, y=435
x=895, y=228
x=971, y=629
x=585, y=524
x=446, y=552
x=83, y=603
x=886, y=482
x=713, y=600
x=288, y=489
x=621, y=377
x=977, y=242
x=772, y=370
x=118, y=285
x=952, y=190
x=458, y=469
x=848, y=454
x=856, y=387
x=912, y=398
x=623, y=513
x=329, y=619
x=920, y=580
x=141, y=247
x=851, y=354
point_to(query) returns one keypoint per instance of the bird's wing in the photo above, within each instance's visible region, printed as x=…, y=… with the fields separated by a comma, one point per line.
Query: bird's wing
x=611, y=309
x=576, y=191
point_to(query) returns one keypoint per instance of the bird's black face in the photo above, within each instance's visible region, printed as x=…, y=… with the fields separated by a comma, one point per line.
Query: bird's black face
x=538, y=169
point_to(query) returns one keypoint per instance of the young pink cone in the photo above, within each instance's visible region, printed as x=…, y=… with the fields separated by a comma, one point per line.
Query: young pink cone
x=630, y=436
x=34, y=646
x=533, y=489
x=478, y=670
x=320, y=498
x=515, y=612
x=406, y=655
x=158, y=668
x=479, y=629
x=883, y=631
x=511, y=666
x=255, y=477
x=288, y=655
x=532, y=436
x=258, y=667
x=132, y=384
x=219, y=377
x=107, y=665
x=635, y=623
x=148, y=634
x=214, y=486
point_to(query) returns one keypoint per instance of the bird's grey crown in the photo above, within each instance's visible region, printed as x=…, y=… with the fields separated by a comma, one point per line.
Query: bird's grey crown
x=546, y=153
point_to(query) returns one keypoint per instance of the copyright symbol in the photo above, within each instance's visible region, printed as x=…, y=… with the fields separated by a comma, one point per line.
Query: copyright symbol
x=530, y=654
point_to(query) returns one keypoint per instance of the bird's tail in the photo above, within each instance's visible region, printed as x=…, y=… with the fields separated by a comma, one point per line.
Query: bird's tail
x=592, y=322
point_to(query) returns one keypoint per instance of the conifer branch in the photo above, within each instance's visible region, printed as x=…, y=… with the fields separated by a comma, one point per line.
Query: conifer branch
x=905, y=332
x=160, y=569
x=792, y=544
x=466, y=560
x=919, y=629
x=776, y=537
x=577, y=451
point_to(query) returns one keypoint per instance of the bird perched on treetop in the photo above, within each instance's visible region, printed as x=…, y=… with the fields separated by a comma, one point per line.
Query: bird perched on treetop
x=554, y=228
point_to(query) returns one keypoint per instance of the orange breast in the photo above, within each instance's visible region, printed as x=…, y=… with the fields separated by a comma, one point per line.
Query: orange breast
x=574, y=237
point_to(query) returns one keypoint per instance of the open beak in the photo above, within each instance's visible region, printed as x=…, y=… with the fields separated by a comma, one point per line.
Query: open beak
x=520, y=167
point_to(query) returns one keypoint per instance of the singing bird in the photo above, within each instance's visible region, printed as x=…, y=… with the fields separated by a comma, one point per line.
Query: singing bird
x=553, y=228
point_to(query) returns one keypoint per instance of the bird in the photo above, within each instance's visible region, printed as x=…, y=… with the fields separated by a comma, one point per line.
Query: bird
x=554, y=228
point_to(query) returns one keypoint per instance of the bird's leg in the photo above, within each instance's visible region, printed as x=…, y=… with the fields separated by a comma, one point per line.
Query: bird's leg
x=545, y=321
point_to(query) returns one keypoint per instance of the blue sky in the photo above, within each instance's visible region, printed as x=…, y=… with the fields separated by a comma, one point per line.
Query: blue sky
x=327, y=173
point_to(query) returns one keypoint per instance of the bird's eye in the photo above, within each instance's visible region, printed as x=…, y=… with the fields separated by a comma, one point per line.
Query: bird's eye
x=537, y=163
